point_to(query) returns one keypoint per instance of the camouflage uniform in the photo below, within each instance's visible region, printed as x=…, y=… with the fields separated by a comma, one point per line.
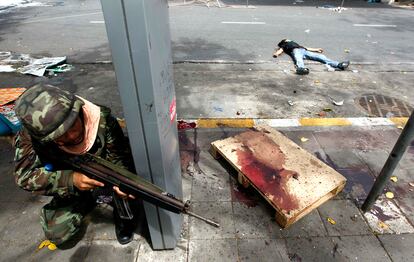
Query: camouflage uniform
x=44, y=111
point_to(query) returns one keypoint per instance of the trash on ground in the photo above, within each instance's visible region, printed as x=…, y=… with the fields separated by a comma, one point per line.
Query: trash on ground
x=44, y=243
x=331, y=220
x=327, y=109
x=25, y=64
x=52, y=246
x=321, y=114
x=338, y=9
x=8, y=95
x=400, y=127
x=304, y=139
x=338, y=103
x=394, y=179
x=60, y=68
x=411, y=184
x=355, y=71
x=307, y=31
x=383, y=225
x=290, y=102
x=347, y=50
x=317, y=82
x=9, y=123
x=389, y=195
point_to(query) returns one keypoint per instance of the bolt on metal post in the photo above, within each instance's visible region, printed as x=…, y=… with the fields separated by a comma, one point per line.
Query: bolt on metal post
x=397, y=152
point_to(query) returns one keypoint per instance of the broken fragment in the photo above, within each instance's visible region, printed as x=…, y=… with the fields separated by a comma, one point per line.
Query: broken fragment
x=330, y=220
x=394, y=179
x=389, y=195
x=304, y=139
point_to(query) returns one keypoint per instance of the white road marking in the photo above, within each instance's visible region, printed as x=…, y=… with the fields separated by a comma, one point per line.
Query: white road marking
x=245, y=23
x=373, y=25
x=97, y=22
x=58, y=18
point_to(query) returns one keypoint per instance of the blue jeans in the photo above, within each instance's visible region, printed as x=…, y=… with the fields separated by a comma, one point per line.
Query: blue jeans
x=299, y=54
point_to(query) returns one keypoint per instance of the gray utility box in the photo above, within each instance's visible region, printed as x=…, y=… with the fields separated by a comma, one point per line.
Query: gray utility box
x=139, y=37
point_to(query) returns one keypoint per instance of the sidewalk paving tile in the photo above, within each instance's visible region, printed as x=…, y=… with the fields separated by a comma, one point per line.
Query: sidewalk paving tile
x=407, y=207
x=111, y=250
x=218, y=250
x=363, y=140
x=386, y=212
x=255, y=221
x=345, y=248
x=210, y=187
x=402, y=188
x=187, y=182
x=359, y=183
x=399, y=247
x=407, y=160
x=178, y=254
x=310, y=225
x=264, y=250
x=27, y=251
x=220, y=212
x=349, y=220
x=27, y=218
x=374, y=159
x=99, y=224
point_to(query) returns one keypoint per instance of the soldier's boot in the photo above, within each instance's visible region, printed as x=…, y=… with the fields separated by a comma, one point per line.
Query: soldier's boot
x=61, y=219
x=124, y=228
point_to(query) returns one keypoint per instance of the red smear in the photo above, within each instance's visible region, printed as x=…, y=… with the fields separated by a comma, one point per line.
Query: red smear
x=181, y=124
x=262, y=161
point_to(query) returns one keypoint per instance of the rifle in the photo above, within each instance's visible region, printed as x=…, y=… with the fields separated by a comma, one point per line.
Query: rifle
x=129, y=183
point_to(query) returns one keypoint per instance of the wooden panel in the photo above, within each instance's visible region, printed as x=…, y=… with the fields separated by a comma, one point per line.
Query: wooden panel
x=292, y=180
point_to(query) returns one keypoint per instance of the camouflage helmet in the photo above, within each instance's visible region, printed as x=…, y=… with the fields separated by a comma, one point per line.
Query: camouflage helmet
x=47, y=112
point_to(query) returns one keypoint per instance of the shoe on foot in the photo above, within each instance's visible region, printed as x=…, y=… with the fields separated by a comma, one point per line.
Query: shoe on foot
x=302, y=71
x=343, y=65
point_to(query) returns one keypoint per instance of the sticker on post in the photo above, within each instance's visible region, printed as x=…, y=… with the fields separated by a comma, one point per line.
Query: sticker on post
x=173, y=110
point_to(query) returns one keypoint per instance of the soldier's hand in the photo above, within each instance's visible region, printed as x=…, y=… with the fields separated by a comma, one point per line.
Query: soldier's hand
x=84, y=183
x=122, y=194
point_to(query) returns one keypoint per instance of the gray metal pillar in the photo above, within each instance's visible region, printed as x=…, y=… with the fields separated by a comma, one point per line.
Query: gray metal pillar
x=139, y=37
x=407, y=135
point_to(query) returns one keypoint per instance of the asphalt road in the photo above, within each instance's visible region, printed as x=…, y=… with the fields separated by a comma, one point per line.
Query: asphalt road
x=373, y=33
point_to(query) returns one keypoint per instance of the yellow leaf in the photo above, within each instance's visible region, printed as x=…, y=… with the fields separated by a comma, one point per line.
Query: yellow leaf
x=304, y=139
x=382, y=225
x=389, y=195
x=394, y=179
x=317, y=81
x=330, y=220
x=52, y=246
x=45, y=243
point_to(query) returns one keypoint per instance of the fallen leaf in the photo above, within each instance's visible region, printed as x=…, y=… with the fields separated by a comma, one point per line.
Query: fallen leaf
x=52, y=246
x=382, y=225
x=330, y=220
x=304, y=139
x=389, y=195
x=44, y=243
x=394, y=179
x=317, y=82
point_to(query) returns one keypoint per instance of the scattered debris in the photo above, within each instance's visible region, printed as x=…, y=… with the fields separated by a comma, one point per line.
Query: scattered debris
x=347, y=50
x=181, y=124
x=307, y=31
x=317, y=82
x=389, y=195
x=355, y=71
x=411, y=184
x=394, y=179
x=60, y=68
x=290, y=102
x=400, y=127
x=238, y=113
x=321, y=114
x=331, y=220
x=304, y=139
x=25, y=64
x=354, y=218
x=382, y=225
x=337, y=103
x=338, y=9
x=8, y=95
x=327, y=109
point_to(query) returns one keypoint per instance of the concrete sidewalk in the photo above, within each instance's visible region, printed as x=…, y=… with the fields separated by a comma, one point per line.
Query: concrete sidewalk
x=248, y=230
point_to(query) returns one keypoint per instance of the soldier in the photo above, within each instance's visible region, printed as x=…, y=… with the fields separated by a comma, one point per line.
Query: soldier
x=57, y=122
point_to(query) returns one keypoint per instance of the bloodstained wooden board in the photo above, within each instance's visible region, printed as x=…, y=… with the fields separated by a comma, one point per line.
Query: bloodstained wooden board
x=292, y=180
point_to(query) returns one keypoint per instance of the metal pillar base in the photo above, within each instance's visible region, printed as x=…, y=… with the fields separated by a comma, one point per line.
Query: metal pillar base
x=139, y=37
